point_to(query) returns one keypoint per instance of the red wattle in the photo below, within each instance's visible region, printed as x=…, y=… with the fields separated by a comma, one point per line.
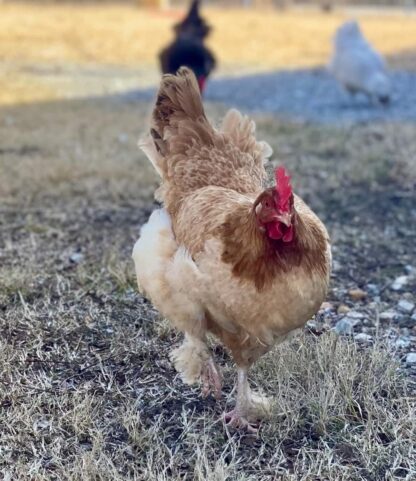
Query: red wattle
x=288, y=237
x=275, y=231
x=201, y=83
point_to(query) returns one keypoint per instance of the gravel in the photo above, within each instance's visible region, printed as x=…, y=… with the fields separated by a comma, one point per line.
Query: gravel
x=405, y=306
x=355, y=315
x=305, y=95
x=399, y=283
x=363, y=338
x=313, y=95
x=402, y=342
x=411, y=358
x=345, y=326
x=388, y=315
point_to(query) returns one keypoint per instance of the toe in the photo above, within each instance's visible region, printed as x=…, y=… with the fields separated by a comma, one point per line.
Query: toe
x=237, y=421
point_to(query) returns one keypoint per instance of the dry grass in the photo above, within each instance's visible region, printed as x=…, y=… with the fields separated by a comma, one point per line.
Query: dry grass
x=38, y=44
x=88, y=149
x=67, y=149
x=93, y=400
x=86, y=387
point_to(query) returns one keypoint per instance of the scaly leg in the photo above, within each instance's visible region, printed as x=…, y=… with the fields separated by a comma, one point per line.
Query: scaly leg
x=211, y=379
x=249, y=408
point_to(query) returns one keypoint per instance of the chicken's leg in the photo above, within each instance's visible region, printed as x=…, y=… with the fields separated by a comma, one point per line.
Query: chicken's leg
x=194, y=361
x=249, y=408
x=239, y=416
x=211, y=379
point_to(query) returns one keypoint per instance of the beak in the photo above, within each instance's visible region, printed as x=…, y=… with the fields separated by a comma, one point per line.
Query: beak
x=285, y=219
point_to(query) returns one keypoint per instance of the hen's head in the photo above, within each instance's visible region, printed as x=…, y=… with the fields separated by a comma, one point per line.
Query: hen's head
x=274, y=208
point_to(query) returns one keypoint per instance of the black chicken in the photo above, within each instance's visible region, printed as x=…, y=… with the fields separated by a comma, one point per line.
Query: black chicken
x=188, y=48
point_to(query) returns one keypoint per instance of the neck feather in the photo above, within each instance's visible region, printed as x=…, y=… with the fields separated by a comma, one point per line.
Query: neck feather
x=257, y=258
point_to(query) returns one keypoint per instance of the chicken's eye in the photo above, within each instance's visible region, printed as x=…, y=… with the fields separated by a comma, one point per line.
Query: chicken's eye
x=266, y=203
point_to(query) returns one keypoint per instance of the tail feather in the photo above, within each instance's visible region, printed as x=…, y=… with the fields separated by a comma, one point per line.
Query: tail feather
x=178, y=120
x=189, y=154
x=178, y=99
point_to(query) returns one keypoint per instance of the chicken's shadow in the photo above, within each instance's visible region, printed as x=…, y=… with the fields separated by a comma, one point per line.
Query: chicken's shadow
x=305, y=95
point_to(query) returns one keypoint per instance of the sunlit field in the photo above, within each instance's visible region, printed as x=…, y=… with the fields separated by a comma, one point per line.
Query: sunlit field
x=48, y=52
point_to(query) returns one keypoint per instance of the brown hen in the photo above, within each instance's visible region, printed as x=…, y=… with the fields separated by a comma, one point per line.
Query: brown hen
x=225, y=255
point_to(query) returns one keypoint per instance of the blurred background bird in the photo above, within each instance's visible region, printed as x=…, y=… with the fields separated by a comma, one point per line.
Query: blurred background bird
x=357, y=66
x=188, y=47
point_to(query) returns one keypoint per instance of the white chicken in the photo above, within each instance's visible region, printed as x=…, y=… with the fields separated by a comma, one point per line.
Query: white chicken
x=357, y=66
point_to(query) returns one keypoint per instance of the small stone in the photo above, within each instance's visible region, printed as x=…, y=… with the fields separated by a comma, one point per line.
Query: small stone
x=403, y=321
x=409, y=269
x=364, y=338
x=411, y=358
x=399, y=283
x=336, y=266
x=86, y=446
x=343, y=309
x=402, y=342
x=405, y=306
x=373, y=289
x=346, y=325
x=387, y=315
x=355, y=315
x=326, y=306
x=357, y=294
x=76, y=257
x=413, y=318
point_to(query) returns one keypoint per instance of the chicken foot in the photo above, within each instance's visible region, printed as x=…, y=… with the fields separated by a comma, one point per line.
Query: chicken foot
x=249, y=408
x=194, y=361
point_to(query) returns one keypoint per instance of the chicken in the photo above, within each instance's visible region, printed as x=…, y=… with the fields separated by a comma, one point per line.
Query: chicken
x=188, y=48
x=225, y=255
x=357, y=66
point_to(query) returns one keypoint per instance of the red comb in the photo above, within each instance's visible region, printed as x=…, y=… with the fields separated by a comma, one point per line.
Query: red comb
x=283, y=188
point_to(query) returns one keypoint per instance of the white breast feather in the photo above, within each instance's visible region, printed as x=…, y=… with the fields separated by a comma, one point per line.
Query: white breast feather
x=164, y=270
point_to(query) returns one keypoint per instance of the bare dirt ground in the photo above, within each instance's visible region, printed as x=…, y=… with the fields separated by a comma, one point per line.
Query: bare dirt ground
x=87, y=391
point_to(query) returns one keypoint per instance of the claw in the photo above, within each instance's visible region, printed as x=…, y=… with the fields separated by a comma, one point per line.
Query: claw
x=211, y=380
x=235, y=420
